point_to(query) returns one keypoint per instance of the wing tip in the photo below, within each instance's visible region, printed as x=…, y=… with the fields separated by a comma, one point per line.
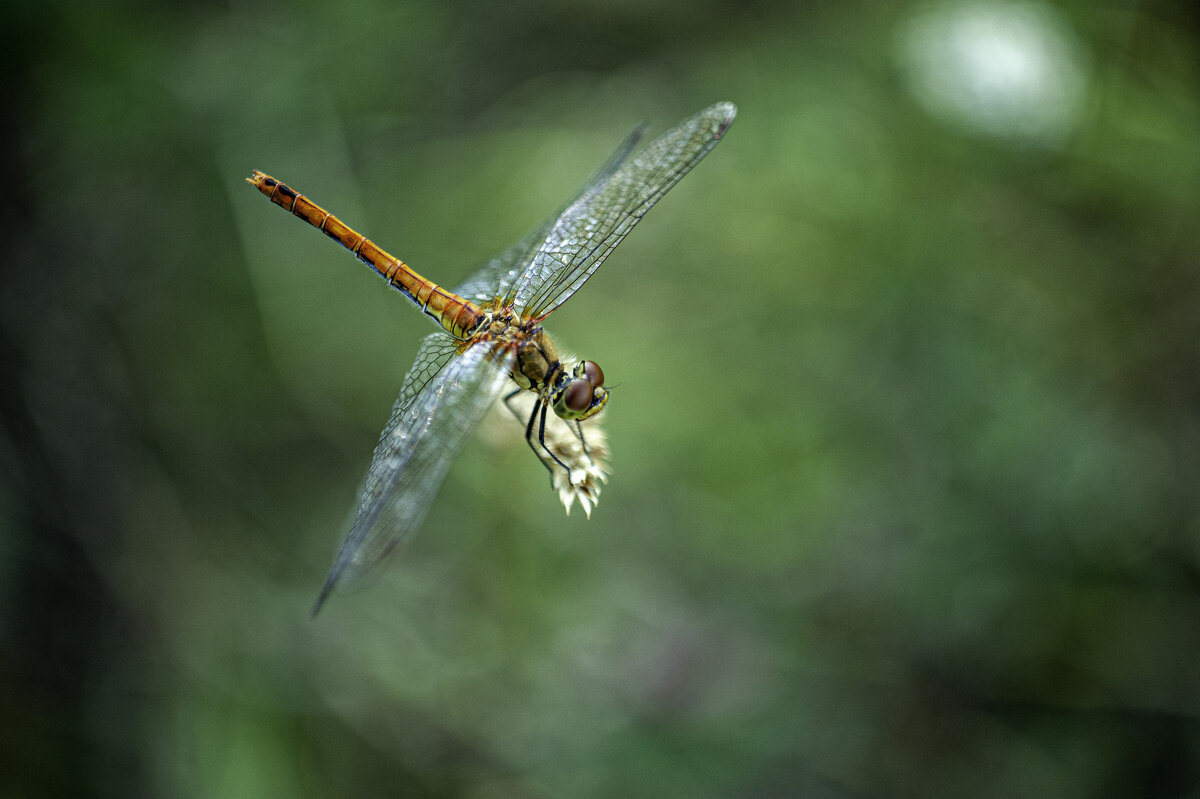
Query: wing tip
x=326, y=590
x=724, y=113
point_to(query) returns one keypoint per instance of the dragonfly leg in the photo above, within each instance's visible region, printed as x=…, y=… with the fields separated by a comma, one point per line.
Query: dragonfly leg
x=539, y=413
x=587, y=452
x=550, y=452
x=529, y=432
x=582, y=440
x=508, y=404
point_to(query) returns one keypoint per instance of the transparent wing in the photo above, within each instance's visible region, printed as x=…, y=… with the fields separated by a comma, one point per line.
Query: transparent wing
x=497, y=276
x=443, y=398
x=600, y=218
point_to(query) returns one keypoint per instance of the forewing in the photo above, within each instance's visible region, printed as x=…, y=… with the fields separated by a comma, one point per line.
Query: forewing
x=497, y=277
x=600, y=218
x=443, y=398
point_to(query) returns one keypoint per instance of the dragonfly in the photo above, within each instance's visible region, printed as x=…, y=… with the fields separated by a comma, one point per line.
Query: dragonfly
x=492, y=336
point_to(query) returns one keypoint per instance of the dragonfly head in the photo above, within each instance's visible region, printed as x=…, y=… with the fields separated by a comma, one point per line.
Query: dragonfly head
x=580, y=393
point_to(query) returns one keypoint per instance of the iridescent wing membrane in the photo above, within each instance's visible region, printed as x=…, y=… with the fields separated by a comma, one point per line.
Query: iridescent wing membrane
x=595, y=223
x=446, y=395
x=551, y=263
x=440, y=404
x=496, y=277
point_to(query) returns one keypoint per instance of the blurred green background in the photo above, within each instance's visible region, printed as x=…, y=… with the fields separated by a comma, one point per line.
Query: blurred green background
x=906, y=447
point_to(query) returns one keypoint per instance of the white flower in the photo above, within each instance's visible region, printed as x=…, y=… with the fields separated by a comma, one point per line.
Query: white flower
x=588, y=467
x=586, y=459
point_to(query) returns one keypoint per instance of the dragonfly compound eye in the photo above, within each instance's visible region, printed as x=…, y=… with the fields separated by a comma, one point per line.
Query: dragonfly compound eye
x=594, y=374
x=578, y=396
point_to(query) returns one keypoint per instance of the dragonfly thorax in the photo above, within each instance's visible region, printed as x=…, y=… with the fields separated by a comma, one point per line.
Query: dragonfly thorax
x=575, y=389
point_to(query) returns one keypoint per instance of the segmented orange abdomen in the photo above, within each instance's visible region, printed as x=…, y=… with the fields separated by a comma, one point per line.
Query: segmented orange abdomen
x=451, y=311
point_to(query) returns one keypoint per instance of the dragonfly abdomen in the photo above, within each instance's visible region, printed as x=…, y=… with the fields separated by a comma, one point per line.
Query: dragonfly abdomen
x=456, y=314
